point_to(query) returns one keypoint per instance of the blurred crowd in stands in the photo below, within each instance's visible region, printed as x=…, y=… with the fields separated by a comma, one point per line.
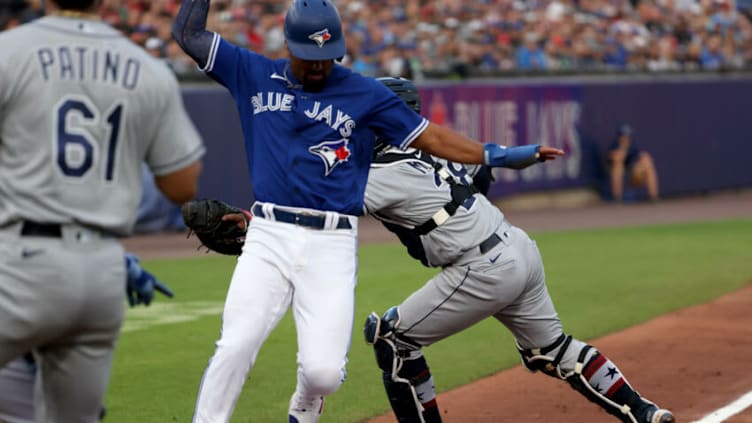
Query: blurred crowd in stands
x=461, y=38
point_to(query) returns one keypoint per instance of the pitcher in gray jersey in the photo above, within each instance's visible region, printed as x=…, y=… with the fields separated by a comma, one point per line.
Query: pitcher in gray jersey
x=81, y=107
x=490, y=268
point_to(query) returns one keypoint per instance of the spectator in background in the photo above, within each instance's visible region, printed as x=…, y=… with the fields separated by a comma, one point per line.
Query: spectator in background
x=628, y=161
x=530, y=56
x=469, y=38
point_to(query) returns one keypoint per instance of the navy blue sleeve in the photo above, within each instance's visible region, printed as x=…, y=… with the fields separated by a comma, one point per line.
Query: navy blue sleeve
x=189, y=30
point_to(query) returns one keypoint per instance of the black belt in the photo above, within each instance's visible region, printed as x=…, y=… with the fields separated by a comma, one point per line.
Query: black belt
x=303, y=219
x=490, y=242
x=49, y=230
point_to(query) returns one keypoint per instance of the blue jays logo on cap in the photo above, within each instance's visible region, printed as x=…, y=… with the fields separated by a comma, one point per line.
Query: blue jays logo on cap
x=331, y=153
x=320, y=37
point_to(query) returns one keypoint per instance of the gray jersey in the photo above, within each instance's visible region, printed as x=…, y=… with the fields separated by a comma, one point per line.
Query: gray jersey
x=84, y=99
x=405, y=190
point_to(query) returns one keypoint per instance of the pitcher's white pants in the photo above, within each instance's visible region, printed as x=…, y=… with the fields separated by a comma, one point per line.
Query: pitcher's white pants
x=281, y=265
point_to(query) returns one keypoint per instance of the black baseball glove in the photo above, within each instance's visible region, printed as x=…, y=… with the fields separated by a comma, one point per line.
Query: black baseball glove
x=204, y=218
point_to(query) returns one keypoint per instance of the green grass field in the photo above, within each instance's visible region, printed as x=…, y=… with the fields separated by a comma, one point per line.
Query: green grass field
x=601, y=281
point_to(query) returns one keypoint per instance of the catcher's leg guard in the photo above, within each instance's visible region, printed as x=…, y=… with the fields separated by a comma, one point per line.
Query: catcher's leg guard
x=407, y=378
x=591, y=374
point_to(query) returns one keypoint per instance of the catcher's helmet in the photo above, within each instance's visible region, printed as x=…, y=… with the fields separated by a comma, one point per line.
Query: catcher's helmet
x=313, y=30
x=405, y=89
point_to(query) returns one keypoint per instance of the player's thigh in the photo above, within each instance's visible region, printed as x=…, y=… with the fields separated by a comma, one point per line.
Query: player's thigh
x=455, y=299
x=33, y=295
x=324, y=300
x=82, y=355
x=85, y=366
x=257, y=299
x=532, y=317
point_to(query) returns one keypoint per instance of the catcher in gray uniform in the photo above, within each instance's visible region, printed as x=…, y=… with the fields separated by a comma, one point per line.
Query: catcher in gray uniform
x=81, y=107
x=490, y=268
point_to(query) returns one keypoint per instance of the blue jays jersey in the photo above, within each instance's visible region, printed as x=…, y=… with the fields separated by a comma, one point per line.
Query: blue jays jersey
x=310, y=149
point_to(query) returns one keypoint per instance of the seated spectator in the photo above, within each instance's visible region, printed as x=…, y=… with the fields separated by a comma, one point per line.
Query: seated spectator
x=628, y=161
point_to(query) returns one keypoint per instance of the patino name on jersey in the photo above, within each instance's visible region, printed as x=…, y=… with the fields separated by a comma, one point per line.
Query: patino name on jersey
x=282, y=102
x=79, y=63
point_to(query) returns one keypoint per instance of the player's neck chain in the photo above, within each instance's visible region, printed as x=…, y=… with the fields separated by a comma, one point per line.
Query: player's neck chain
x=76, y=14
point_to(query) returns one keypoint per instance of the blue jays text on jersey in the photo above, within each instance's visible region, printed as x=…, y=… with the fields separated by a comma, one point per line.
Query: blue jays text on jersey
x=310, y=149
x=276, y=101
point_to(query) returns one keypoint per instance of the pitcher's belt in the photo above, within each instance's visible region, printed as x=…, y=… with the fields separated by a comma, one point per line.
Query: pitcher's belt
x=308, y=220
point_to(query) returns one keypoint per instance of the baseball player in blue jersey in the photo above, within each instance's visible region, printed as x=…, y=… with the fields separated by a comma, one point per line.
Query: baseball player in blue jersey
x=81, y=107
x=309, y=128
x=490, y=268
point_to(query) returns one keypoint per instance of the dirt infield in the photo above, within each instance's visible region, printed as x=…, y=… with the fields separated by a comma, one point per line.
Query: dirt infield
x=693, y=361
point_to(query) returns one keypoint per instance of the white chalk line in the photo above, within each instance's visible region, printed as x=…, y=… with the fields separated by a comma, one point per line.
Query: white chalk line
x=166, y=312
x=720, y=415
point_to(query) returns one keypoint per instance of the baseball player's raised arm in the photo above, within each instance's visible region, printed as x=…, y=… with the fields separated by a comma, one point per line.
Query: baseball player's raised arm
x=190, y=31
x=443, y=142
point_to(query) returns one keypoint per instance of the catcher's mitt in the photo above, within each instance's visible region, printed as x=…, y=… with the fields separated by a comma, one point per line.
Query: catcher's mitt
x=204, y=218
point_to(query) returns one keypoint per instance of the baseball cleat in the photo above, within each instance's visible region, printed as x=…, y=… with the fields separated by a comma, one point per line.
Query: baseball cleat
x=660, y=415
x=305, y=410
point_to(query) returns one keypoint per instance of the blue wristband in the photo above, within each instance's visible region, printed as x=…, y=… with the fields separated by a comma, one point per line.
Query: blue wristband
x=512, y=157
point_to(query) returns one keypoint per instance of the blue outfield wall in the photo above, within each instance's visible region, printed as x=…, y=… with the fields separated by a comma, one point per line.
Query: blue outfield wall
x=225, y=171
x=697, y=128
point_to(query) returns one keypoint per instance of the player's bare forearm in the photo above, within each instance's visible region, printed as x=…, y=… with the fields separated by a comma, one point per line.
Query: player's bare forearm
x=181, y=185
x=443, y=142
x=190, y=31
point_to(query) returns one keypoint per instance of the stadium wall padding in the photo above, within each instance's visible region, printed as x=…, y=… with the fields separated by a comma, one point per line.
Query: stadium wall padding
x=698, y=129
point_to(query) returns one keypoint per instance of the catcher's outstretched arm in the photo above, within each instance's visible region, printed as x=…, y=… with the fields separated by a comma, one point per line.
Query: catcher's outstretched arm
x=190, y=31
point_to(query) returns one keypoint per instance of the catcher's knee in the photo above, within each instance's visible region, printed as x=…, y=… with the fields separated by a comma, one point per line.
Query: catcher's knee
x=549, y=359
x=407, y=379
x=392, y=350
